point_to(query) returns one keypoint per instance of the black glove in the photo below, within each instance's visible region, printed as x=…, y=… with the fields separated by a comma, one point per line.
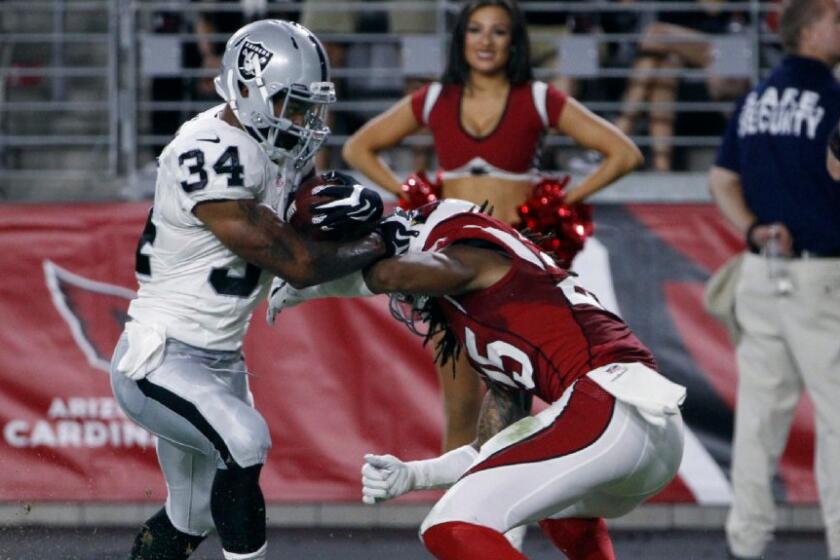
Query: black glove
x=354, y=208
x=396, y=232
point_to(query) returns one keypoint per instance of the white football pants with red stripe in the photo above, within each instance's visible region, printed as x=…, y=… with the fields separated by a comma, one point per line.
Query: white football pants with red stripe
x=588, y=455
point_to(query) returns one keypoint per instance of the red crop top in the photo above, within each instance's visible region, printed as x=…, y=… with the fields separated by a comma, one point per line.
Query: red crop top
x=510, y=150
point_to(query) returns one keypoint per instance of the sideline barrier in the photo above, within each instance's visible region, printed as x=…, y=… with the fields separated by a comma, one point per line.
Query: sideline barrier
x=334, y=379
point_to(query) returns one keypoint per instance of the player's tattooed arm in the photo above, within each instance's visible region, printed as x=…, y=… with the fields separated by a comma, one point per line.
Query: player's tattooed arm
x=500, y=409
x=255, y=232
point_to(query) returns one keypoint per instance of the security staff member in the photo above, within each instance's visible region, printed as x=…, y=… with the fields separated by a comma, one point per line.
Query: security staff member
x=770, y=181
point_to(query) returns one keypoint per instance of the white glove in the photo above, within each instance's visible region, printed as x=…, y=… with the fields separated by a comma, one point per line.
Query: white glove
x=385, y=477
x=281, y=295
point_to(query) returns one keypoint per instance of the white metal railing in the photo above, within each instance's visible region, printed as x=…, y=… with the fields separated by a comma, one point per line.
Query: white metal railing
x=41, y=86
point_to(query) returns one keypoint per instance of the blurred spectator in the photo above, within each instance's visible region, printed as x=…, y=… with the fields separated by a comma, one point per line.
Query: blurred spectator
x=403, y=23
x=164, y=123
x=413, y=22
x=223, y=23
x=544, y=27
x=319, y=20
x=612, y=54
x=770, y=181
x=678, y=40
x=324, y=22
x=210, y=50
x=623, y=53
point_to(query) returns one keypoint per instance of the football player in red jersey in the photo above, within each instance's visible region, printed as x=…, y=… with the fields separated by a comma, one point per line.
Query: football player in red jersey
x=611, y=436
x=488, y=116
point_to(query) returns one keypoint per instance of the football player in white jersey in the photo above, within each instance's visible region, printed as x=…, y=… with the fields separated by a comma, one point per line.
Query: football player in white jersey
x=213, y=240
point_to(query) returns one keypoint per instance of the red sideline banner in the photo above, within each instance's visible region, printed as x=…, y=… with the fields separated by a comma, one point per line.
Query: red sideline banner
x=334, y=379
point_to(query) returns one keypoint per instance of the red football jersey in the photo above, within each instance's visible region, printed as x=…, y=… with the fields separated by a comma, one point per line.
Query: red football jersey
x=536, y=329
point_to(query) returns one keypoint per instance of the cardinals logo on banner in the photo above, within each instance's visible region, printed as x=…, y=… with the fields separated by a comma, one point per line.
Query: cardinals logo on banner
x=94, y=311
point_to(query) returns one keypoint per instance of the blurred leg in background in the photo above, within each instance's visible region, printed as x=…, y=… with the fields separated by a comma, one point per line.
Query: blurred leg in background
x=326, y=22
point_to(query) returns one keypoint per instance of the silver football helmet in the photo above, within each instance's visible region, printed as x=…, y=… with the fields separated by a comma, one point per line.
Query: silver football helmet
x=270, y=58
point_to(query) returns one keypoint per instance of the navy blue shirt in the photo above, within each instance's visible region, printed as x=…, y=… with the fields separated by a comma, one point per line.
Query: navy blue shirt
x=777, y=140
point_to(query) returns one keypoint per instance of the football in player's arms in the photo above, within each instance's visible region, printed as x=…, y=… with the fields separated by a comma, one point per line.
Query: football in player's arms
x=339, y=216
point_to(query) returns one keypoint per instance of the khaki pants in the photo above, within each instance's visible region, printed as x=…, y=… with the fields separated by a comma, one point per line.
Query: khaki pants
x=789, y=342
x=328, y=21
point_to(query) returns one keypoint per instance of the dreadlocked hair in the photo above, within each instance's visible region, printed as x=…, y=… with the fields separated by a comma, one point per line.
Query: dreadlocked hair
x=448, y=347
x=539, y=239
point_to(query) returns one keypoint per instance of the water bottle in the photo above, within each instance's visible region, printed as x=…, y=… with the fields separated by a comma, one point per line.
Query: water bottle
x=777, y=266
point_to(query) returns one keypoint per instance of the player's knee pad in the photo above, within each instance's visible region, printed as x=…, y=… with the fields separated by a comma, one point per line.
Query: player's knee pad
x=456, y=540
x=249, y=442
x=580, y=539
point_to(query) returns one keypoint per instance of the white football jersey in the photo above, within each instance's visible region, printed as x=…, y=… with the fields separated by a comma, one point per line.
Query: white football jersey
x=191, y=285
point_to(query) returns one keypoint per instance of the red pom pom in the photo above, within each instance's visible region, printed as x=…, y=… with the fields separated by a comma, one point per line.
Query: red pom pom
x=420, y=190
x=566, y=225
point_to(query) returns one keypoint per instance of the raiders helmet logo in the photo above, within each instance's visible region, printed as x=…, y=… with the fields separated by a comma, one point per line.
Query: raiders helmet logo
x=253, y=58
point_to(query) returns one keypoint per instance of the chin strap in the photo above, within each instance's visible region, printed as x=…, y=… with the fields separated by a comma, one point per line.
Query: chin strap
x=230, y=98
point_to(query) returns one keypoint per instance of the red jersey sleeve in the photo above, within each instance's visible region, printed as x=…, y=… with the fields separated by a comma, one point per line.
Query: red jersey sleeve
x=555, y=100
x=418, y=99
